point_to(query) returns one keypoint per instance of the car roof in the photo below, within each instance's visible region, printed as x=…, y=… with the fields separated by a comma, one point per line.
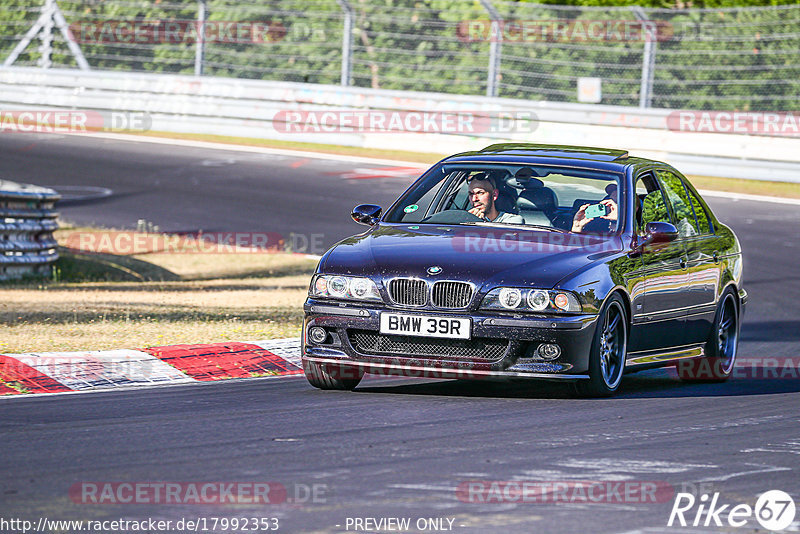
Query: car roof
x=592, y=157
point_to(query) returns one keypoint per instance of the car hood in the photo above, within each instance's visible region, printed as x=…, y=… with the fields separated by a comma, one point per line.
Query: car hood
x=488, y=255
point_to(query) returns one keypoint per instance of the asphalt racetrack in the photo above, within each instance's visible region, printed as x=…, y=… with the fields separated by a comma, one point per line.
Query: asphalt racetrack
x=395, y=447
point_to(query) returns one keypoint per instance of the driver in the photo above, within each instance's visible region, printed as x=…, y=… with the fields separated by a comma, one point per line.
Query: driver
x=610, y=201
x=483, y=194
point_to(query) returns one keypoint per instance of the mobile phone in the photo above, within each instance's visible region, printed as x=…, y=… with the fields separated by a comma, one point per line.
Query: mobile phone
x=596, y=210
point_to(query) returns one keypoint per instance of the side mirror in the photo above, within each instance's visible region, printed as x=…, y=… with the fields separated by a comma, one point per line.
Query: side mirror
x=658, y=233
x=368, y=214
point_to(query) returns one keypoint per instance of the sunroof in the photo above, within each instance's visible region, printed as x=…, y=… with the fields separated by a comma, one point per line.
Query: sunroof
x=579, y=152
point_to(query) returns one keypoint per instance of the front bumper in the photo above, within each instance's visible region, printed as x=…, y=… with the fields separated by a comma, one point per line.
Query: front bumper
x=521, y=335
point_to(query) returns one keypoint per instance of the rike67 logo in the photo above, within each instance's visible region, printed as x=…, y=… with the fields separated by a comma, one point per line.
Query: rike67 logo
x=774, y=510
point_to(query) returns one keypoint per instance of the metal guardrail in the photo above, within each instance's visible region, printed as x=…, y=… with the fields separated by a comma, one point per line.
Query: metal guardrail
x=27, y=222
x=253, y=108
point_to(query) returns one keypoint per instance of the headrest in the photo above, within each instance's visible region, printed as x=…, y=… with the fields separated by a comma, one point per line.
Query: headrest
x=525, y=178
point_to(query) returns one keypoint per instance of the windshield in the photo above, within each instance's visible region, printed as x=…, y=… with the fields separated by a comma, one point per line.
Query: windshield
x=558, y=198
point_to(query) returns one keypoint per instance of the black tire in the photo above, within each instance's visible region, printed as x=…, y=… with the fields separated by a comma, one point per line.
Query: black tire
x=332, y=376
x=721, y=346
x=609, y=350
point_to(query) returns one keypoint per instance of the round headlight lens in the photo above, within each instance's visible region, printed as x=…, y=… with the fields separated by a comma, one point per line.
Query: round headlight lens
x=510, y=297
x=337, y=287
x=538, y=300
x=359, y=287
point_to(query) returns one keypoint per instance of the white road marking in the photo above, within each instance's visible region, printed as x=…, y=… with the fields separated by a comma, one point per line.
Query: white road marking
x=255, y=149
x=218, y=162
x=427, y=487
x=789, y=447
x=611, y=465
x=765, y=469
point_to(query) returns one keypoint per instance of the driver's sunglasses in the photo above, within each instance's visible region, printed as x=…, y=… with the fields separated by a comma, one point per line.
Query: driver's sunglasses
x=482, y=178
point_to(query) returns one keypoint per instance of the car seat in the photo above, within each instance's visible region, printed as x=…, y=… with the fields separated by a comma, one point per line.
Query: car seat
x=537, y=204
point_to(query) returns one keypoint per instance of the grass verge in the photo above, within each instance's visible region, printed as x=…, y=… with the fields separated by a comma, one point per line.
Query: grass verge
x=150, y=298
x=750, y=187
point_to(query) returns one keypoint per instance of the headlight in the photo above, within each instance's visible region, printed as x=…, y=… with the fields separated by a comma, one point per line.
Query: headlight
x=343, y=287
x=531, y=300
x=510, y=297
x=538, y=300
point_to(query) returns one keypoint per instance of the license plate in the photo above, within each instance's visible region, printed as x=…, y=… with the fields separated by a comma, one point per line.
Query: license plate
x=425, y=326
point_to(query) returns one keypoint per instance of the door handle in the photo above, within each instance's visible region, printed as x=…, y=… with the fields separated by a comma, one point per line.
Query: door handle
x=683, y=263
x=716, y=258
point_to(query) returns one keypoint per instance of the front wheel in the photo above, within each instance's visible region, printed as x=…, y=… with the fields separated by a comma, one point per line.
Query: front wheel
x=332, y=376
x=608, y=353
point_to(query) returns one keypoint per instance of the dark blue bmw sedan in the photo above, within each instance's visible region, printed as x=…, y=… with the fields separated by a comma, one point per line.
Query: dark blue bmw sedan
x=530, y=261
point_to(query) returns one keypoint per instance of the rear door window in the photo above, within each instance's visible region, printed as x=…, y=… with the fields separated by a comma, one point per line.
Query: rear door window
x=685, y=221
x=703, y=222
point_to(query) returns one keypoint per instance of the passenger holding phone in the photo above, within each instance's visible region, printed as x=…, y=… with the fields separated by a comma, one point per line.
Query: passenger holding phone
x=605, y=209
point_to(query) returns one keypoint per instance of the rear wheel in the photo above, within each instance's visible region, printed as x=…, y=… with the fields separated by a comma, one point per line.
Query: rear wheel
x=721, y=347
x=609, y=350
x=332, y=376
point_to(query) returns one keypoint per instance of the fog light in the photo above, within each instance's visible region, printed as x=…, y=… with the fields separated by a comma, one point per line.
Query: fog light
x=317, y=334
x=549, y=351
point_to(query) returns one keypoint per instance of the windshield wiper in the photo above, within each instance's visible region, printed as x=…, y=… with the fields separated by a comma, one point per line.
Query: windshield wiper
x=551, y=228
x=519, y=226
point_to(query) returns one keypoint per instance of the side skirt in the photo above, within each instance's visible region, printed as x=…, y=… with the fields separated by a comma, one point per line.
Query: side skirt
x=639, y=361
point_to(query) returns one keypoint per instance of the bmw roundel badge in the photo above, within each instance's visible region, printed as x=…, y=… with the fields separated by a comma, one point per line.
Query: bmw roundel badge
x=434, y=270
